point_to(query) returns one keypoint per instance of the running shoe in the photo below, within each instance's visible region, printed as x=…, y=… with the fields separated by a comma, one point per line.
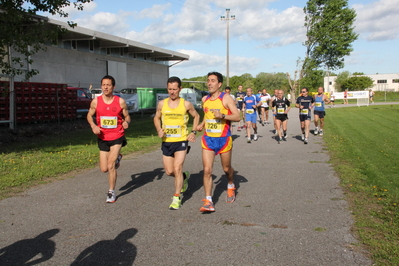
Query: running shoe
x=316, y=131
x=118, y=161
x=305, y=141
x=303, y=137
x=263, y=124
x=248, y=140
x=285, y=138
x=111, y=198
x=185, y=182
x=321, y=132
x=239, y=129
x=255, y=137
x=176, y=203
x=231, y=195
x=208, y=206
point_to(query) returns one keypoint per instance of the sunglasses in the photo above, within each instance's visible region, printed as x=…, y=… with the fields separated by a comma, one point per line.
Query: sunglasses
x=304, y=91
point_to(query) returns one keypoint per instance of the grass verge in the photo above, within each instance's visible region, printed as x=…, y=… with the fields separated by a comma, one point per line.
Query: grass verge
x=364, y=150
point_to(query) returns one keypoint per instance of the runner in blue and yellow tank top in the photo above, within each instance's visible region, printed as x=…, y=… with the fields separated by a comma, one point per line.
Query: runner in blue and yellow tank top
x=319, y=110
x=170, y=120
x=219, y=109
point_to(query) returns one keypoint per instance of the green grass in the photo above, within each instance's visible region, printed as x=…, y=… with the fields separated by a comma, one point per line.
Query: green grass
x=364, y=149
x=25, y=164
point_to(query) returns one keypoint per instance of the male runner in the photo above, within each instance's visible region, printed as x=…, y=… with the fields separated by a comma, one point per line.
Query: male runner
x=265, y=99
x=259, y=109
x=219, y=111
x=274, y=97
x=251, y=104
x=305, y=104
x=240, y=101
x=319, y=110
x=112, y=118
x=281, y=107
x=171, y=121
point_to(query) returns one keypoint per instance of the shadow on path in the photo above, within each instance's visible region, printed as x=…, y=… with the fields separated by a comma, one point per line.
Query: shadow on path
x=110, y=252
x=141, y=179
x=22, y=252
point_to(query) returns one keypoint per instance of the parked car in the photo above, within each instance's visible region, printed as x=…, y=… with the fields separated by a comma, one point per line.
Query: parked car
x=83, y=101
x=131, y=98
x=96, y=92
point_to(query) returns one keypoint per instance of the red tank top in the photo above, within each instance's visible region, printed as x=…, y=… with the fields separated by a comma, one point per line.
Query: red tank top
x=109, y=119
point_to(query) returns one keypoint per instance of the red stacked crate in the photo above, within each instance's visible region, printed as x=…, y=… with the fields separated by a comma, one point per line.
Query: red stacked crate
x=4, y=101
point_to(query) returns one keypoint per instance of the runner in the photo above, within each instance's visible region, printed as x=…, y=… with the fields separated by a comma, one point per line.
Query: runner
x=227, y=90
x=240, y=101
x=332, y=99
x=281, y=107
x=346, y=96
x=304, y=103
x=371, y=95
x=112, y=118
x=219, y=111
x=274, y=97
x=265, y=99
x=259, y=109
x=251, y=104
x=171, y=119
x=319, y=111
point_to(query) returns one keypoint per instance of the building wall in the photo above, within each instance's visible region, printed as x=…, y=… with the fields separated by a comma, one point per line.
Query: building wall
x=82, y=69
x=382, y=82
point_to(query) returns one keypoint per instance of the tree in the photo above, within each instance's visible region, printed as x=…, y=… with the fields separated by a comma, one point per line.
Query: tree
x=341, y=79
x=23, y=32
x=358, y=83
x=270, y=81
x=329, y=32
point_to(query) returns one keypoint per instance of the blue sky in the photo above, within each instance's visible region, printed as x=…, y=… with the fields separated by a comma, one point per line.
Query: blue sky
x=266, y=35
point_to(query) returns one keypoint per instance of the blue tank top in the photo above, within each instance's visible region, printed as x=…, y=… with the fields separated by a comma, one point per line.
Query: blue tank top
x=319, y=103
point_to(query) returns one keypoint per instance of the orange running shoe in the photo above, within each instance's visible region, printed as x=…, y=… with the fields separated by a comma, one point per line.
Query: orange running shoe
x=208, y=206
x=231, y=195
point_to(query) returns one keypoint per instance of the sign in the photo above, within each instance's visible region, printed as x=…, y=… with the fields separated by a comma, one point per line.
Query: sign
x=161, y=96
x=352, y=95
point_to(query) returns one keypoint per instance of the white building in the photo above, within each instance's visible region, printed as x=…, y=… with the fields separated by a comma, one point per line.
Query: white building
x=382, y=82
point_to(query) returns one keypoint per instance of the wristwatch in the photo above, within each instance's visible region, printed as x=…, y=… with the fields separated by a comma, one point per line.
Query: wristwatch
x=223, y=116
x=193, y=131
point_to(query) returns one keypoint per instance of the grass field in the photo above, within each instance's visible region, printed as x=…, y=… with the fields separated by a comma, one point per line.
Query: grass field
x=364, y=148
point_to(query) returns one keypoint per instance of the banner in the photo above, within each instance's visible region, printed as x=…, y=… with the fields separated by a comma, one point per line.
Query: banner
x=352, y=95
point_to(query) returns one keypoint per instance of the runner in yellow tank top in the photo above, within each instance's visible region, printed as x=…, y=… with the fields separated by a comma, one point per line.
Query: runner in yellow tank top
x=170, y=121
x=220, y=109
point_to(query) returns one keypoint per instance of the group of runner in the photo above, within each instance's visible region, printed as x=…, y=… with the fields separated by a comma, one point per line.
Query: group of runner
x=171, y=123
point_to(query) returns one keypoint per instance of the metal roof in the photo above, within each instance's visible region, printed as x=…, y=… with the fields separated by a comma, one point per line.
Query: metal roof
x=111, y=41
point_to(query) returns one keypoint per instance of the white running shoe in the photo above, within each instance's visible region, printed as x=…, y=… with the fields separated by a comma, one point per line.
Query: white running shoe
x=316, y=131
x=255, y=137
x=111, y=198
x=321, y=132
x=303, y=137
x=305, y=141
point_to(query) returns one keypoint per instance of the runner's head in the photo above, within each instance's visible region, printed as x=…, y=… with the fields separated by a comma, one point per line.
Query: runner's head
x=240, y=88
x=214, y=81
x=227, y=90
x=280, y=94
x=264, y=91
x=304, y=91
x=320, y=90
x=249, y=91
x=174, y=87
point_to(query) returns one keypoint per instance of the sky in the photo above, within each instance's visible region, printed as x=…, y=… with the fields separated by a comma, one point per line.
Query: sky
x=265, y=36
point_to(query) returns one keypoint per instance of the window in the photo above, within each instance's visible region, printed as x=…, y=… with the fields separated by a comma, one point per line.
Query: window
x=74, y=44
x=395, y=81
x=382, y=81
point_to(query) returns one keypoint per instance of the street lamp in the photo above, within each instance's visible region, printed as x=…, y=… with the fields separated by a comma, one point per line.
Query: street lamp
x=228, y=17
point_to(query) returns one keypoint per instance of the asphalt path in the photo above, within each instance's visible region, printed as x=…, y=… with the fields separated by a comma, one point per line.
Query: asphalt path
x=290, y=210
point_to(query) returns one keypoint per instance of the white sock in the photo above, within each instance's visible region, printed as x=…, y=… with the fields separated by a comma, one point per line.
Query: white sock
x=230, y=185
x=209, y=198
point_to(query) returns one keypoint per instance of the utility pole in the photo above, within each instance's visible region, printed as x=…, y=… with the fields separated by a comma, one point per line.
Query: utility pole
x=228, y=17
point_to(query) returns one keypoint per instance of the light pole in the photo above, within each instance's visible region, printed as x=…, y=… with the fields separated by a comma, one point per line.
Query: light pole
x=228, y=17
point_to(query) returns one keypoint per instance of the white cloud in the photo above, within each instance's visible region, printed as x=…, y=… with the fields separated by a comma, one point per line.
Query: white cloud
x=114, y=24
x=200, y=63
x=378, y=21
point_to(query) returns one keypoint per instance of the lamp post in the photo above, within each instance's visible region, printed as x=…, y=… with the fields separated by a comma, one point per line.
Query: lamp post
x=228, y=17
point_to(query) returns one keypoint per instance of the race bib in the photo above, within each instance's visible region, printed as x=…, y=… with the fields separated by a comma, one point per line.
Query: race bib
x=213, y=126
x=304, y=111
x=264, y=101
x=318, y=104
x=280, y=111
x=108, y=121
x=173, y=131
x=250, y=111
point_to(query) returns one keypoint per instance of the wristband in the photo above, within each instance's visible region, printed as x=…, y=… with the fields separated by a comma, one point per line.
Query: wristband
x=195, y=132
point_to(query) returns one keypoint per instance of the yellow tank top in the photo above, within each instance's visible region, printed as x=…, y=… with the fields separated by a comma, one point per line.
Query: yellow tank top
x=216, y=127
x=174, y=122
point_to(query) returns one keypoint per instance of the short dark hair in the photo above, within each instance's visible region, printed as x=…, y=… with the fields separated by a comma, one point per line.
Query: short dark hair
x=175, y=79
x=218, y=75
x=109, y=77
x=305, y=89
x=227, y=88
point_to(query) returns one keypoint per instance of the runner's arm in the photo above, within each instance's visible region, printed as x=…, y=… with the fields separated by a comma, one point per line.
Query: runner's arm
x=157, y=120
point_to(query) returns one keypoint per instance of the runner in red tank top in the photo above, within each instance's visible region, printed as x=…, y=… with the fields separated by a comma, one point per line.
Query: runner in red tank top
x=112, y=118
